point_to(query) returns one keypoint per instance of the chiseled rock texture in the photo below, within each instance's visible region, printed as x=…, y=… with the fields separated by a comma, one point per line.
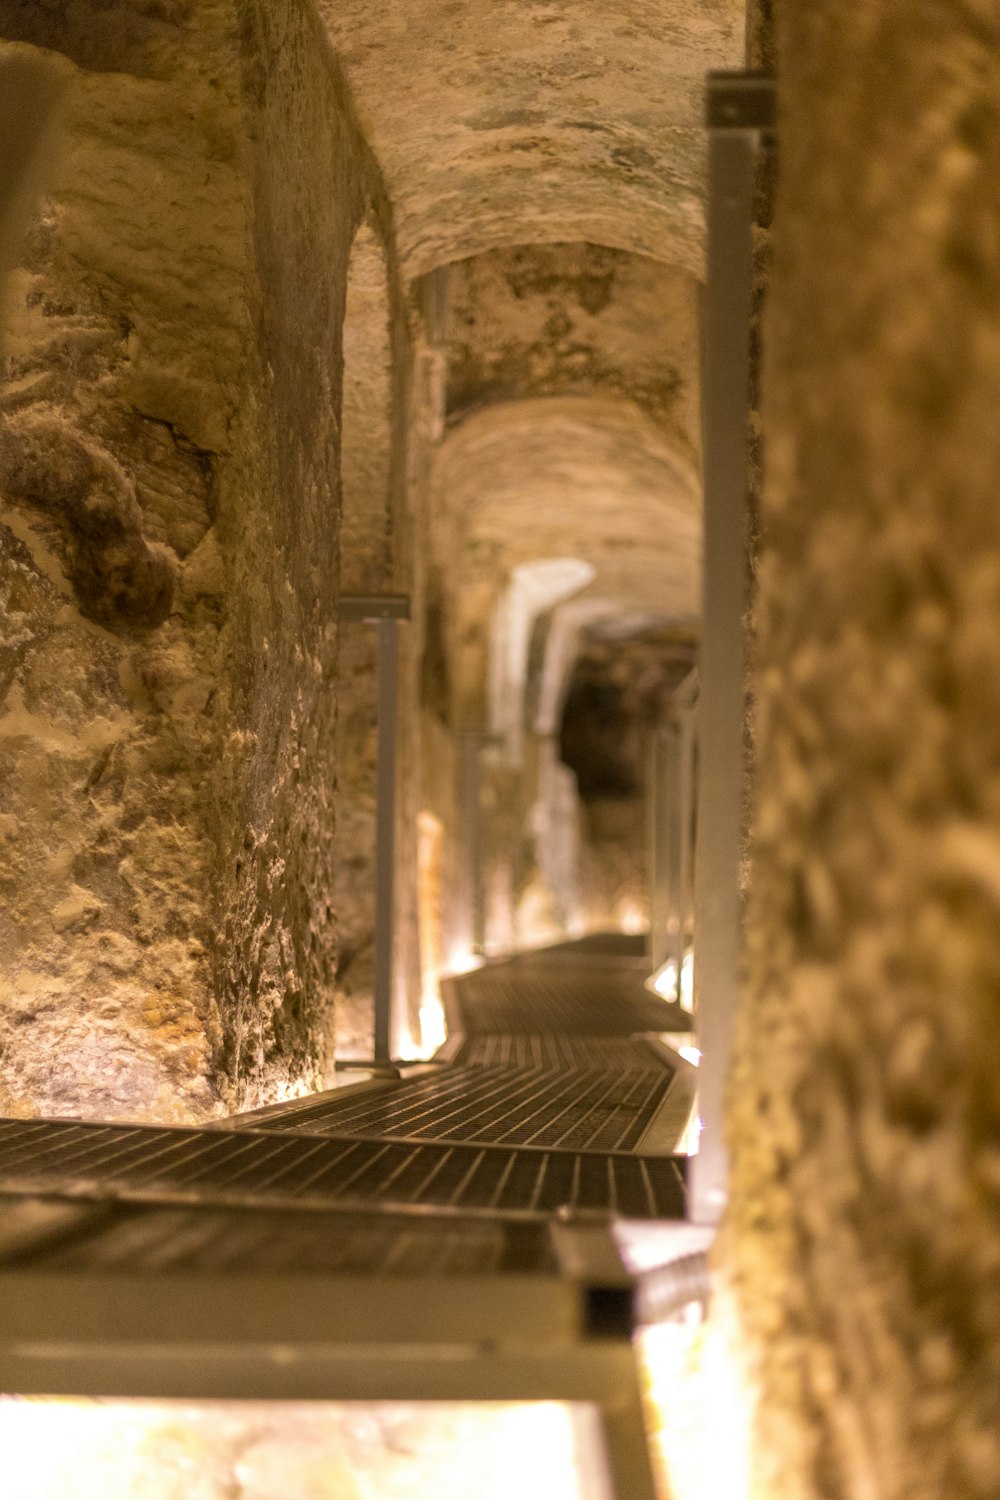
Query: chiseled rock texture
x=864, y=1231
x=528, y=120
x=168, y=565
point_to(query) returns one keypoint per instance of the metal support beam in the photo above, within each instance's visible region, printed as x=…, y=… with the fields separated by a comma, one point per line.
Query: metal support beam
x=470, y=800
x=671, y=821
x=738, y=108
x=374, y=607
x=684, y=824
x=385, y=835
x=556, y=1326
x=658, y=835
x=33, y=87
x=385, y=612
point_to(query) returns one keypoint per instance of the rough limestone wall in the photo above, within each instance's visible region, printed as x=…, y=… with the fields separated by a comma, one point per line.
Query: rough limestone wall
x=126, y=334
x=864, y=1226
x=169, y=557
x=276, y=955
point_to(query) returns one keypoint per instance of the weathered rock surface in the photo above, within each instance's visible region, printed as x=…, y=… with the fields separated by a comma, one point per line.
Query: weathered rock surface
x=531, y=122
x=537, y=320
x=168, y=470
x=115, y=419
x=865, y=1223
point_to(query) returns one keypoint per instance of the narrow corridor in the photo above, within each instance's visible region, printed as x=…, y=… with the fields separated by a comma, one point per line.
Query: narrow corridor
x=552, y=1093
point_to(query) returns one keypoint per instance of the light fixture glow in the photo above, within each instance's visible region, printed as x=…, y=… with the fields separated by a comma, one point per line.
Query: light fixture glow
x=630, y=917
x=688, y=1143
x=687, y=982
x=700, y=1404
x=165, y=1450
x=433, y=1026
x=664, y=982
x=463, y=961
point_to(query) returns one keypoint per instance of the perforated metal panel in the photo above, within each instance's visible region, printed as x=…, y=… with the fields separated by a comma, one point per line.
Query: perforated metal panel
x=571, y=1108
x=317, y=1171
x=524, y=1050
x=566, y=999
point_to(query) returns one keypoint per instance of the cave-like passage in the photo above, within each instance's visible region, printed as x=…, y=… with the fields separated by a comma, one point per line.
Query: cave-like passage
x=550, y=1100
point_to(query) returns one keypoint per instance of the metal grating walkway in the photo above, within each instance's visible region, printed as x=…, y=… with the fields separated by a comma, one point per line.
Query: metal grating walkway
x=585, y=1109
x=252, y=1168
x=441, y=1237
x=551, y=1055
x=563, y=995
x=552, y=1102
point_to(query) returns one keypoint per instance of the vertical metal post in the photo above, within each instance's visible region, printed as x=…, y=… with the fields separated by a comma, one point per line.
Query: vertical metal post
x=385, y=612
x=33, y=88
x=657, y=941
x=683, y=817
x=385, y=834
x=471, y=834
x=738, y=108
x=670, y=834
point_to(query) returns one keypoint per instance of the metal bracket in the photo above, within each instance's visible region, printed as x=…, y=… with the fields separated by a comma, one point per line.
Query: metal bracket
x=370, y=607
x=740, y=101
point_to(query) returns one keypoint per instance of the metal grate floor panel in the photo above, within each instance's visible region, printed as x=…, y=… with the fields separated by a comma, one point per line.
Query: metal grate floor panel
x=563, y=1000
x=148, y=1239
x=588, y=1109
x=280, y=1169
x=522, y=1051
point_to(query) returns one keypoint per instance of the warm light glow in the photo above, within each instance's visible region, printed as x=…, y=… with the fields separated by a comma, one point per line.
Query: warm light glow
x=292, y=1088
x=407, y=1048
x=630, y=917
x=688, y=1143
x=139, y=1450
x=430, y=863
x=433, y=1025
x=463, y=961
x=664, y=982
x=690, y=1054
x=534, y=588
x=700, y=1404
x=687, y=982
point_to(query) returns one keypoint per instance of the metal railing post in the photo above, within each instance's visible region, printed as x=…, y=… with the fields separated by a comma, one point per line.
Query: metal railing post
x=385, y=612
x=739, y=108
x=385, y=835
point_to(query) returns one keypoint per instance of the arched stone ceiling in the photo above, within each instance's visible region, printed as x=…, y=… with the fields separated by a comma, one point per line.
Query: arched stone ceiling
x=537, y=120
x=561, y=319
x=585, y=477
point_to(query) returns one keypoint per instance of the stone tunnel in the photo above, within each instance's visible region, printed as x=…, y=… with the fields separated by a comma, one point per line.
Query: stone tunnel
x=356, y=528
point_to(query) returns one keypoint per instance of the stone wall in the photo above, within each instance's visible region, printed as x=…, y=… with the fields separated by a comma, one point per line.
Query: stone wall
x=169, y=554
x=864, y=1226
